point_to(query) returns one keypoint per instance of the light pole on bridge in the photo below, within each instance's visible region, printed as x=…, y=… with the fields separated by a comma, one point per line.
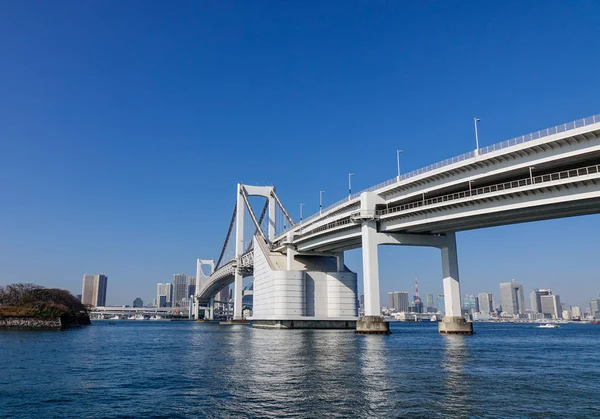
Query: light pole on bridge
x=321, y=201
x=476, y=122
x=301, y=205
x=398, y=160
x=350, y=185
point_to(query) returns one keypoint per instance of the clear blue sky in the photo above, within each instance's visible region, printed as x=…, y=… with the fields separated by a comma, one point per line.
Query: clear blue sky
x=124, y=127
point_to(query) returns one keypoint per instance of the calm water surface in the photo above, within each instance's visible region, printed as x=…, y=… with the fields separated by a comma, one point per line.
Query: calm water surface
x=184, y=369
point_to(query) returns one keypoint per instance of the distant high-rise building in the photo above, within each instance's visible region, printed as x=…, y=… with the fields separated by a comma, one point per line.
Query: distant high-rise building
x=511, y=296
x=551, y=306
x=361, y=300
x=180, y=284
x=595, y=308
x=164, y=294
x=93, y=292
x=138, y=303
x=398, y=300
x=191, y=289
x=576, y=312
x=486, y=302
x=470, y=303
x=401, y=301
x=441, y=304
x=224, y=295
x=429, y=304
x=536, y=299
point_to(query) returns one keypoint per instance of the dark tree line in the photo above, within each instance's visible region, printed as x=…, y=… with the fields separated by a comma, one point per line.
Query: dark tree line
x=31, y=299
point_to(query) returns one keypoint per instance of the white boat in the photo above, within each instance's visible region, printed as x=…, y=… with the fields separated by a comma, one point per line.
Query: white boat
x=155, y=317
x=115, y=318
x=140, y=317
x=549, y=326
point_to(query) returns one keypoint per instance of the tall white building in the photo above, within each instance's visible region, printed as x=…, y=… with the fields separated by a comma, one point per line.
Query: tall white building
x=486, y=302
x=93, y=291
x=551, y=306
x=511, y=296
x=164, y=290
x=536, y=299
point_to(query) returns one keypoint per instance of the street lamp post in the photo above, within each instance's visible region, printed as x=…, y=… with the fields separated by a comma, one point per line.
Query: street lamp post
x=476, y=121
x=321, y=202
x=398, y=160
x=350, y=185
x=301, y=205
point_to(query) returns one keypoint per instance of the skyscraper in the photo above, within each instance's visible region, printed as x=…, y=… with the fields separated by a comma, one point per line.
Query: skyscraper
x=94, y=290
x=486, y=302
x=470, y=303
x=551, y=306
x=429, y=304
x=398, y=301
x=441, y=304
x=511, y=296
x=595, y=308
x=191, y=288
x=138, y=302
x=401, y=299
x=164, y=294
x=180, y=284
x=536, y=299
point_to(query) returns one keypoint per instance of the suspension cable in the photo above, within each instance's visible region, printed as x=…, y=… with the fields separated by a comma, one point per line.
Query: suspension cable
x=227, y=238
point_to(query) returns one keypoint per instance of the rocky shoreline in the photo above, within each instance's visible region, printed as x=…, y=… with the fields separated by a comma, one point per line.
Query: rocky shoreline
x=62, y=322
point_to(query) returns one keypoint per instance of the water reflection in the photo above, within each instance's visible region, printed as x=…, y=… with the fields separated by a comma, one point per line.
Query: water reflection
x=374, y=375
x=457, y=386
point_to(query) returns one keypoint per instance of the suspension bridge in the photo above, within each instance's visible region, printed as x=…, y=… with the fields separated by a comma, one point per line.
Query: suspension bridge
x=300, y=279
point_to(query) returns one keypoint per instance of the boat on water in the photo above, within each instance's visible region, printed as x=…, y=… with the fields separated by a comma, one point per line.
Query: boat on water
x=115, y=318
x=549, y=326
x=155, y=317
x=139, y=317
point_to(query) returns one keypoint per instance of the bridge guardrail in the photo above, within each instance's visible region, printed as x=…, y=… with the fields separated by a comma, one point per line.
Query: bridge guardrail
x=565, y=174
x=494, y=188
x=481, y=151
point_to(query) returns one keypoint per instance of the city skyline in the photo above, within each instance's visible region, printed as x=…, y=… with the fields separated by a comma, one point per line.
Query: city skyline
x=176, y=120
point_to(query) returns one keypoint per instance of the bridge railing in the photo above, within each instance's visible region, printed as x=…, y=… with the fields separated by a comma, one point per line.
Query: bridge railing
x=465, y=156
x=494, y=188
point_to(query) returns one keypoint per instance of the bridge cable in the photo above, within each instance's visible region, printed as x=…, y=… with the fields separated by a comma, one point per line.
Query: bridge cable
x=260, y=220
x=227, y=238
x=254, y=220
x=283, y=209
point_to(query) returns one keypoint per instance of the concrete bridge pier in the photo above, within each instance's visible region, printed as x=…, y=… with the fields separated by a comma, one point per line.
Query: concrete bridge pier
x=372, y=322
x=452, y=322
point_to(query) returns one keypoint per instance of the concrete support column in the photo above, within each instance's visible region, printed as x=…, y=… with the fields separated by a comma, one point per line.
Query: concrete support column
x=370, y=268
x=237, y=295
x=340, y=261
x=211, y=310
x=239, y=250
x=453, y=322
x=271, y=230
x=291, y=252
x=450, y=277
